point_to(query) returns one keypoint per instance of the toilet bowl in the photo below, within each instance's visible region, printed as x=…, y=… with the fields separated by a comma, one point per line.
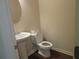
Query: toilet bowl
x=43, y=46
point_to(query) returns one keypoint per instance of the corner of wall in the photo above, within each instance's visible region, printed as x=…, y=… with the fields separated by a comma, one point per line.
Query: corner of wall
x=63, y=51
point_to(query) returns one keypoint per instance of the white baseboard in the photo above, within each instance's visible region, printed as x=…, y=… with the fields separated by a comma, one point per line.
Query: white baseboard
x=63, y=51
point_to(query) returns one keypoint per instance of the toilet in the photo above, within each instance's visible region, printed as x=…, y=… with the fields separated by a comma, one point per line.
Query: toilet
x=43, y=46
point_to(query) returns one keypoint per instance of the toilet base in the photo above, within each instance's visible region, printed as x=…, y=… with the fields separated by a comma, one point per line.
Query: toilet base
x=44, y=53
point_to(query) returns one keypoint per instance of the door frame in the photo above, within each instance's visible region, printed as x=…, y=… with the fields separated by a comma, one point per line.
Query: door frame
x=7, y=38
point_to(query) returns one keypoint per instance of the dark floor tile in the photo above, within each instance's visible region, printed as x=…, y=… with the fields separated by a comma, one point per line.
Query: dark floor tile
x=54, y=55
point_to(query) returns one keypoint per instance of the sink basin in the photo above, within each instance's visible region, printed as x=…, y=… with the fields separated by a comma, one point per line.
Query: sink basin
x=22, y=35
x=20, y=38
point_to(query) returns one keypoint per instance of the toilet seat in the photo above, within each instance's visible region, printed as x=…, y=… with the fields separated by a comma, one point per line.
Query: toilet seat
x=45, y=44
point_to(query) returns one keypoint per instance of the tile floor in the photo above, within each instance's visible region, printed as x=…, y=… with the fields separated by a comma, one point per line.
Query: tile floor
x=54, y=55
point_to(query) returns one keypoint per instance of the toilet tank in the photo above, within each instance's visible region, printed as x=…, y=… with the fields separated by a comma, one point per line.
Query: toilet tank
x=36, y=37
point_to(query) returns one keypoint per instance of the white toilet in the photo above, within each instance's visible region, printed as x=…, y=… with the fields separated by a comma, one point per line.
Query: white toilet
x=43, y=46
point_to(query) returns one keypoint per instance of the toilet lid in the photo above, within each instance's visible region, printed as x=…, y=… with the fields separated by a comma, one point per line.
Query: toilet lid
x=45, y=44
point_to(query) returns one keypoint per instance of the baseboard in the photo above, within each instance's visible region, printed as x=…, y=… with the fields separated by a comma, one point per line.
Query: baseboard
x=63, y=51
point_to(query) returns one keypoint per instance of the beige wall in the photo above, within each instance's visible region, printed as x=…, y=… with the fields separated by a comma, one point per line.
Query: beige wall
x=56, y=18
x=57, y=22
x=29, y=15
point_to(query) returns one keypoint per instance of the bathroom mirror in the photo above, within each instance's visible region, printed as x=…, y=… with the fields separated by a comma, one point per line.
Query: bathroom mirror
x=15, y=10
